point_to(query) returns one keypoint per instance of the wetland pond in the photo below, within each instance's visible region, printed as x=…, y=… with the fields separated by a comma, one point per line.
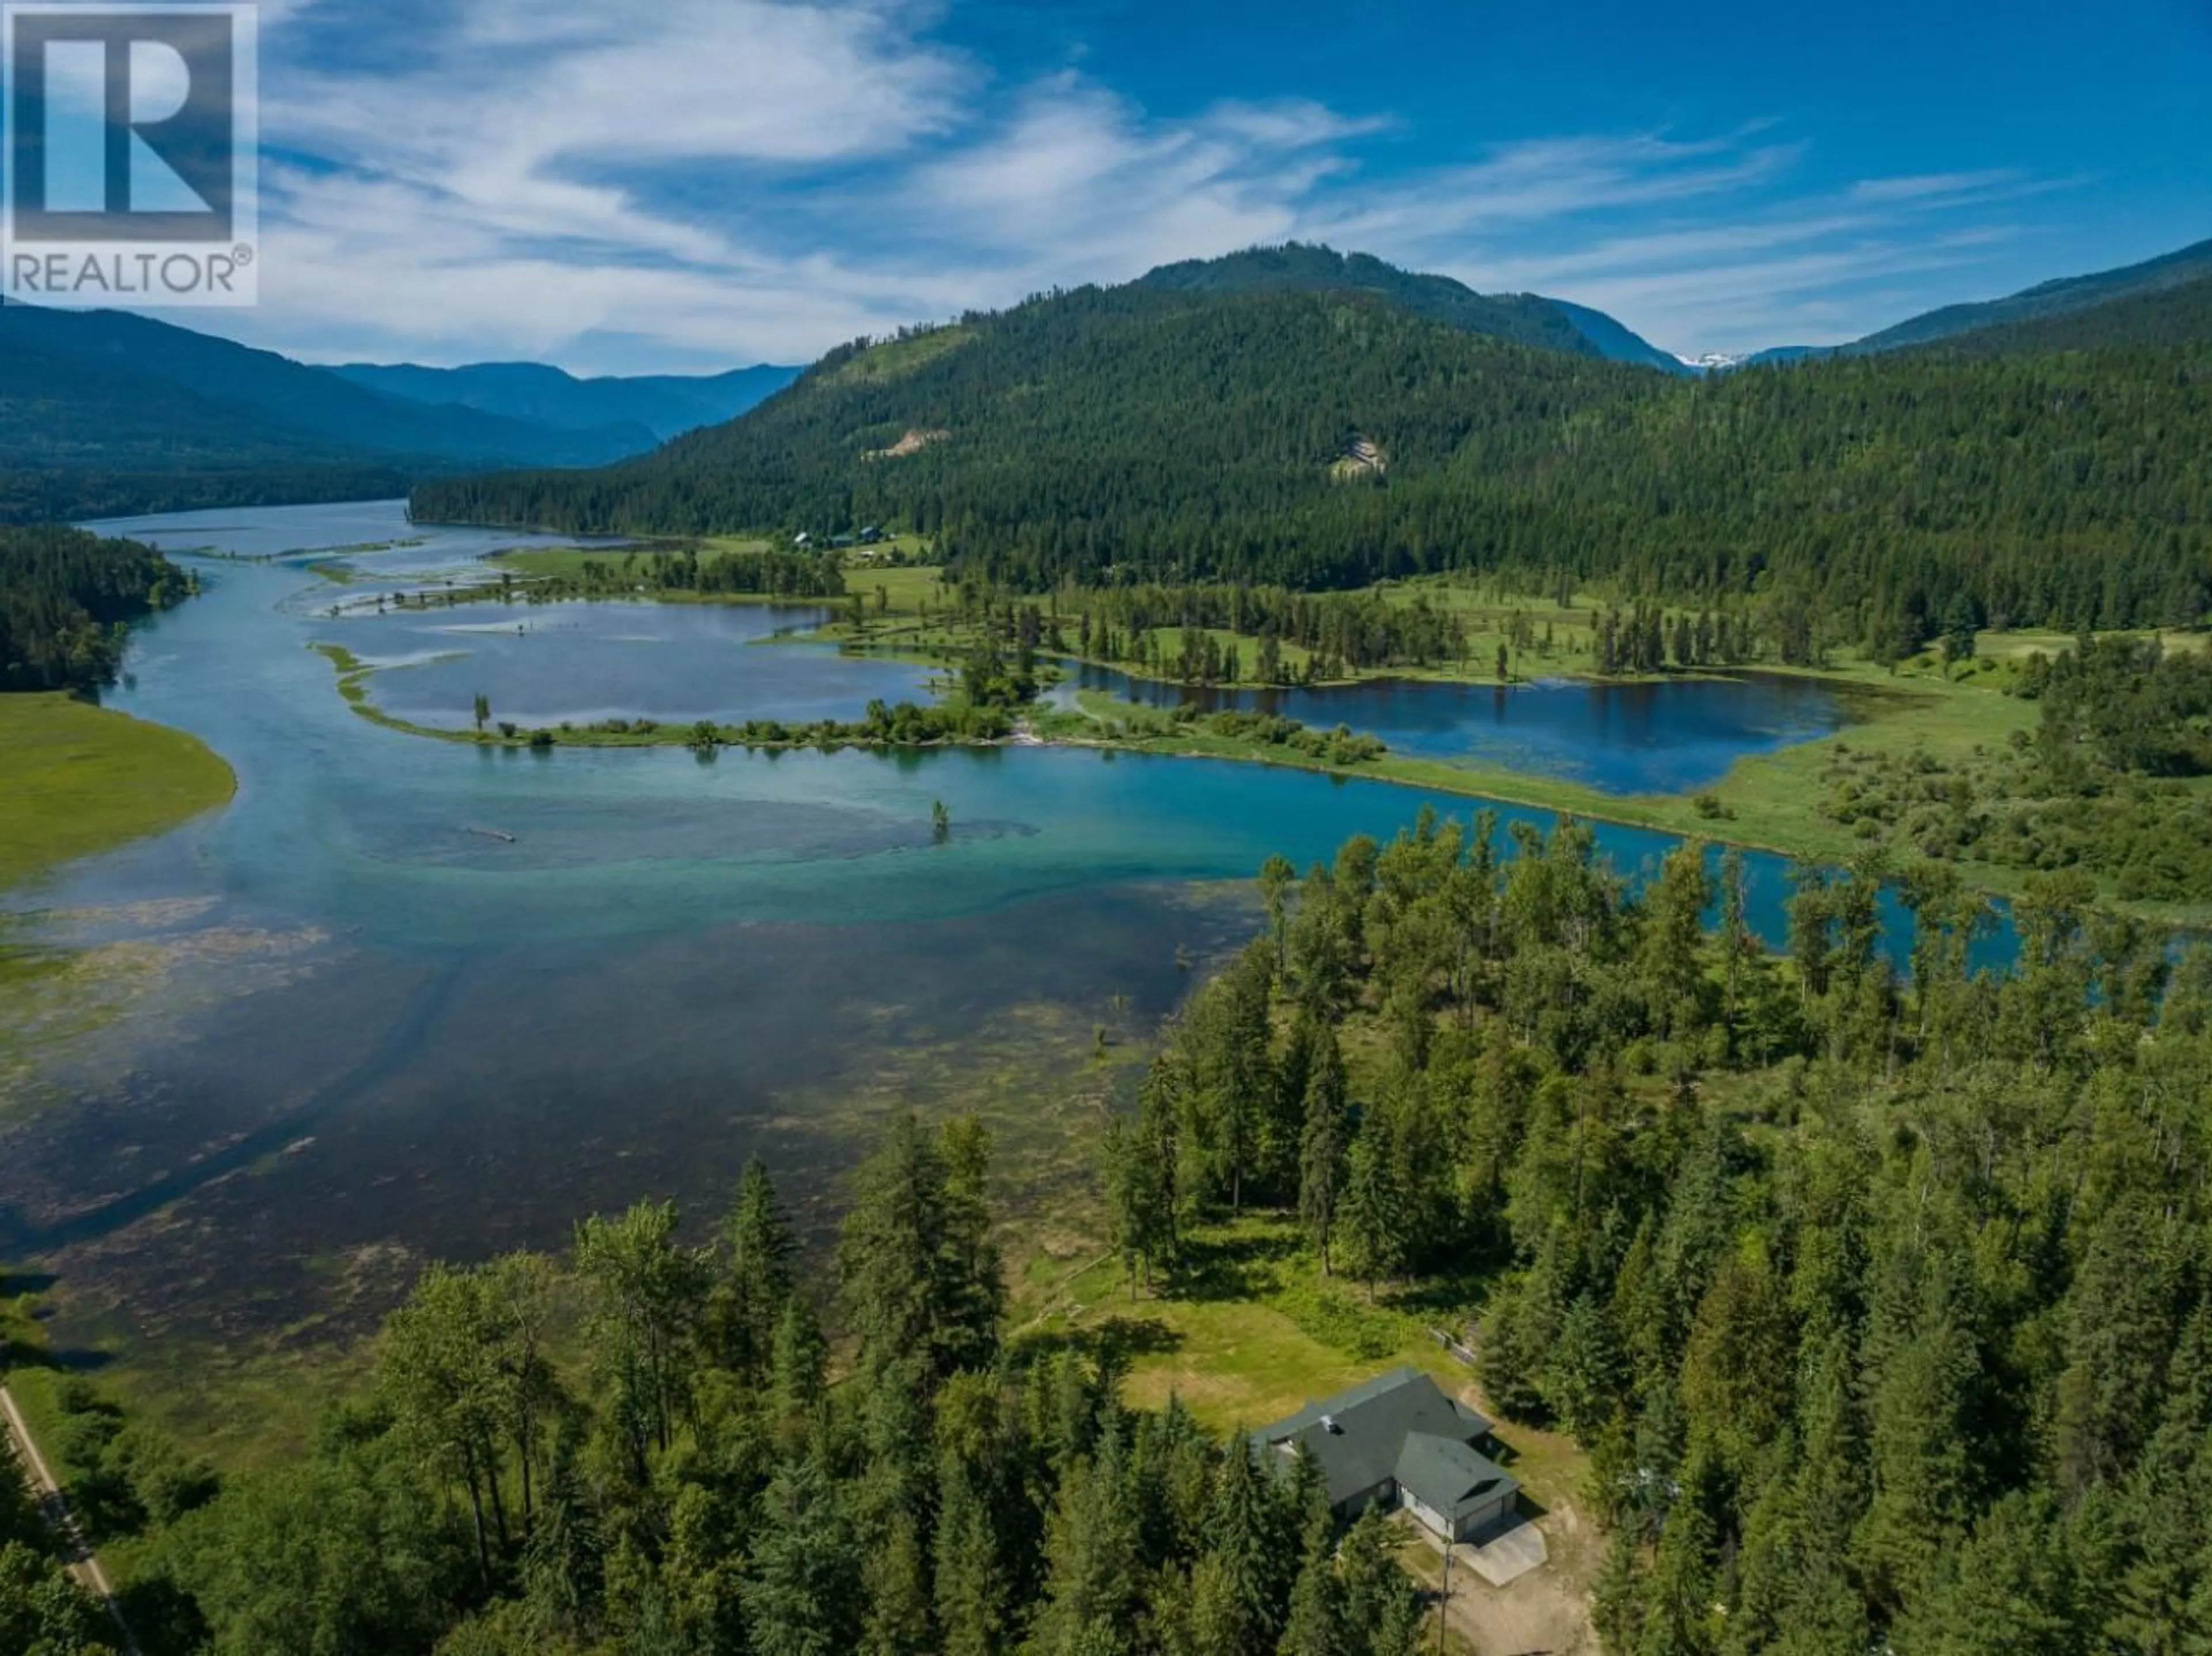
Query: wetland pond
x=583, y=663
x=1665, y=737
x=407, y=998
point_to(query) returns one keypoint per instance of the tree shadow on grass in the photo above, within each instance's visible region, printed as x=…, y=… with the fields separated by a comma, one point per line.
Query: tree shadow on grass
x=78, y=1359
x=68, y=1360
x=1113, y=1341
x=1245, y=1266
x=1123, y=1338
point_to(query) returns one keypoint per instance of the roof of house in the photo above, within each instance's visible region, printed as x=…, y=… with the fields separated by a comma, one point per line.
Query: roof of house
x=1399, y=1427
x=1446, y=1475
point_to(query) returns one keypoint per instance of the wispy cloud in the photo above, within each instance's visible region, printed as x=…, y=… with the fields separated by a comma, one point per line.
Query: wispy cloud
x=1816, y=296
x=708, y=181
x=1924, y=185
x=1545, y=179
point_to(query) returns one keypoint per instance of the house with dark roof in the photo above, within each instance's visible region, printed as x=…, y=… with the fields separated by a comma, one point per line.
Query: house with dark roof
x=1399, y=1441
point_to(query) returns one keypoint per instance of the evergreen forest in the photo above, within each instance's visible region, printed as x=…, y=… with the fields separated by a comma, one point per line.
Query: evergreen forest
x=1879, y=1294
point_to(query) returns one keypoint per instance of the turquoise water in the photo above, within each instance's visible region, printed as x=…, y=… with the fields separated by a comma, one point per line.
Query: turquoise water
x=419, y=991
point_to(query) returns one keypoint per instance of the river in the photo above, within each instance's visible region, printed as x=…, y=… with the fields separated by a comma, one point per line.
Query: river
x=406, y=997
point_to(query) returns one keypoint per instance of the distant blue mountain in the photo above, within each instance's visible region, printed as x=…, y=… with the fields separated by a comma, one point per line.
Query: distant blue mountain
x=2046, y=299
x=1789, y=354
x=665, y=404
x=104, y=413
x=96, y=364
x=1615, y=341
x=2007, y=320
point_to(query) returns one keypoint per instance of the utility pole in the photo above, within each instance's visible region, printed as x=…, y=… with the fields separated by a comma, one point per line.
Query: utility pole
x=1444, y=1610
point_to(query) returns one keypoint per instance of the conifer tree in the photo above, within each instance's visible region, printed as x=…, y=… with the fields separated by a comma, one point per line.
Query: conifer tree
x=646, y=1295
x=972, y=1590
x=798, y=1371
x=1372, y=1219
x=1323, y=1147
x=757, y=1277
x=919, y=1275
x=1090, y=1603
x=802, y=1588
x=1253, y=1546
x=1380, y=1604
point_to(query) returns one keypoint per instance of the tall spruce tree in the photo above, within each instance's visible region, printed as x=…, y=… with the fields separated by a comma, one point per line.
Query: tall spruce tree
x=1324, y=1144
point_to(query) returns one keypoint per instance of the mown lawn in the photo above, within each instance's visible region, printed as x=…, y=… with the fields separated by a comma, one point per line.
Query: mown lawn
x=1249, y=1330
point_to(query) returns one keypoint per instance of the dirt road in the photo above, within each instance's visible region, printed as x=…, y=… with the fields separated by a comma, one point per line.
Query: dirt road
x=83, y=1562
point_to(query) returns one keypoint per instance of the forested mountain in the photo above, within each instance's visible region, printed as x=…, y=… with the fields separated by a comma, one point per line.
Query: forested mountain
x=1523, y=318
x=89, y=438
x=1617, y=341
x=306, y=404
x=1327, y=439
x=1076, y=429
x=1780, y=354
x=2046, y=299
x=103, y=412
x=66, y=596
x=1295, y=267
x=2003, y=325
x=2160, y=318
x=663, y=404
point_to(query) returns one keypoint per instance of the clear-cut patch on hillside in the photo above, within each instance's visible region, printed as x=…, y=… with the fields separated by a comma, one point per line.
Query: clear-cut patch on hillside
x=913, y=442
x=1362, y=457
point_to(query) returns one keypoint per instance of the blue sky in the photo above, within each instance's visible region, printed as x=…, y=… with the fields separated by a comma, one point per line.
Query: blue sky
x=694, y=184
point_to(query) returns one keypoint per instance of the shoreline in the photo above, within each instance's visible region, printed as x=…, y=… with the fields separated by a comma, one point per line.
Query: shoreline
x=1734, y=822
x=1768, y=801
x=86, y=780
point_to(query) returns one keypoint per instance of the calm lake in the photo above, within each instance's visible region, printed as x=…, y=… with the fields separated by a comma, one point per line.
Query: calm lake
x=353, y=1024
x=1663, y=738
x=542, y=664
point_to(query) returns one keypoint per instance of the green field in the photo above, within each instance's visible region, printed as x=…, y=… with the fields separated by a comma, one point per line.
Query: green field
x=1249, y=1332
x=79, y=780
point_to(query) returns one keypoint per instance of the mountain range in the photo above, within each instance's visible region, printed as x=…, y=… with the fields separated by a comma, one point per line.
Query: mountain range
x=2063, y=297
x=105, y=412
x=1522, y=319
x=109, y=412
x=658, y=405
x=1289, y=417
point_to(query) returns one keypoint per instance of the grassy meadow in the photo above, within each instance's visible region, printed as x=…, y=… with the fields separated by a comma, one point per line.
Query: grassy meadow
x=82, y=779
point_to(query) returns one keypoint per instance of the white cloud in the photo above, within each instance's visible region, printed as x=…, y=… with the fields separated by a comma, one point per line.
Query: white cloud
x=1787, y=298
x=690, y=79
x=709, y=181
x=1550, y=178
x=1080, y=185
x=1922, y=186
